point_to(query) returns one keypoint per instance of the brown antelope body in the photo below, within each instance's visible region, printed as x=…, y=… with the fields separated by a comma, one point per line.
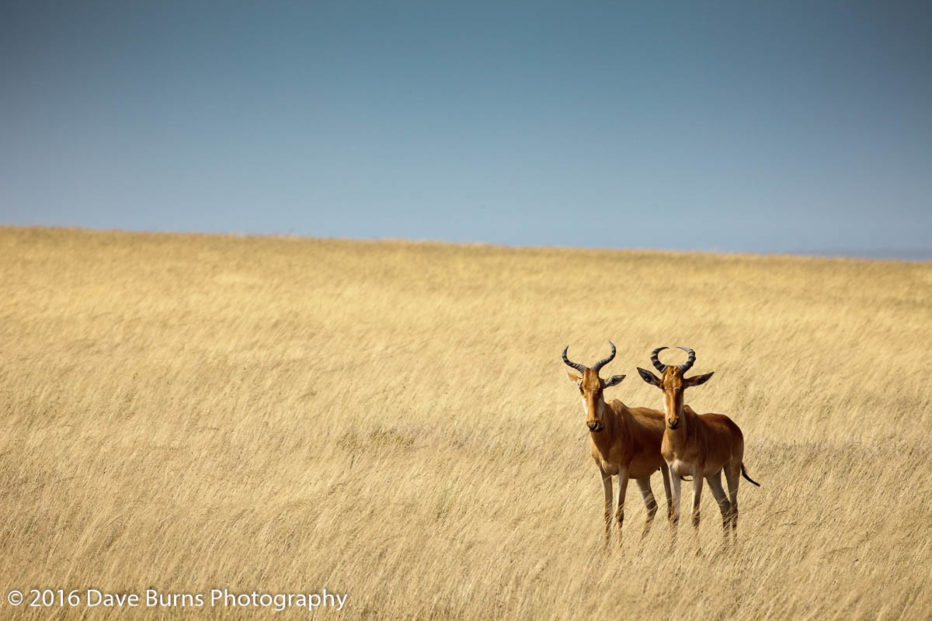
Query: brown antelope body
x=624, y=441
x=698, y=445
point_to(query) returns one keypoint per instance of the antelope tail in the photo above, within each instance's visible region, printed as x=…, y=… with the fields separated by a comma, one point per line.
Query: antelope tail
x=744, y=473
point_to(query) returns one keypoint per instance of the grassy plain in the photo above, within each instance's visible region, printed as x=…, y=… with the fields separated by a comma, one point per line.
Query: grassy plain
x=392, y=420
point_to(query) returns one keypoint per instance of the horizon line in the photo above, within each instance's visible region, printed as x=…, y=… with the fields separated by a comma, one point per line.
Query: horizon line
x=907, y=255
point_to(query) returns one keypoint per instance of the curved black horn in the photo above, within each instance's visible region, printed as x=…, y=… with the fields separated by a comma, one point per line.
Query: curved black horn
x=575, y=365
x=689, y=362
x=656, y=360
x=601, y=363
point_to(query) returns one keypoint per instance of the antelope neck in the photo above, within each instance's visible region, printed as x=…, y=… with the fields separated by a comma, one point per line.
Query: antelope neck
x=603, y=439
x=678, y=435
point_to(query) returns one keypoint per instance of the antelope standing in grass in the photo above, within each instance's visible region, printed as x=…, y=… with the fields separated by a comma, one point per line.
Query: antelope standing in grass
x=698, y=445
x=624, y=441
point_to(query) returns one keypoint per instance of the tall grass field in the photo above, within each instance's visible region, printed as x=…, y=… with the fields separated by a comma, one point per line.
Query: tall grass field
x=392, y=422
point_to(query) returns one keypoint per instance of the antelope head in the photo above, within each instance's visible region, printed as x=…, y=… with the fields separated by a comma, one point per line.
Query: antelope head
x=673, y=382
x=591, y=386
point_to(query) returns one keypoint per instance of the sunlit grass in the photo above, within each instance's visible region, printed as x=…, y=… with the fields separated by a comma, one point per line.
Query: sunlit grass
x=393, y=421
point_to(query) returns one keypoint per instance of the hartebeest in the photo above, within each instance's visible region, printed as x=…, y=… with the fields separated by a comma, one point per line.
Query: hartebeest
x=624, y=441
x=698, y=445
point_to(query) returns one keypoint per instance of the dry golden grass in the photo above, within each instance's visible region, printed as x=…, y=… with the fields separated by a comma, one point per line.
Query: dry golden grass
x=392, y=420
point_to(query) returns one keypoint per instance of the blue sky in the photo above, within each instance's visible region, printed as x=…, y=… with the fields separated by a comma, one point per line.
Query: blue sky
x=736, y=126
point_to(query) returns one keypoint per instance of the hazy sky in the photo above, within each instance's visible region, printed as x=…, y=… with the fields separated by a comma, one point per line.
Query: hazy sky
x=742, y=126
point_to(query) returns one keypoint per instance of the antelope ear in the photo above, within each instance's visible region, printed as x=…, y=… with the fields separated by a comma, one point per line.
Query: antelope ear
x=649, y=377
x=614, y=380
x=573, y=378
x=695, y=380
